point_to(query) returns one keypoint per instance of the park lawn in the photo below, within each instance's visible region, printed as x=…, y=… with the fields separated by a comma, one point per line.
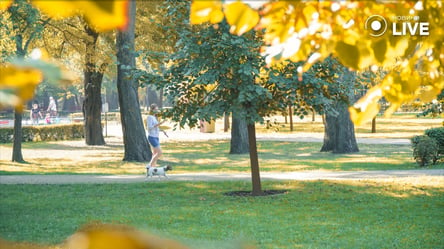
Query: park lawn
x=311, y=214
x=73, y=157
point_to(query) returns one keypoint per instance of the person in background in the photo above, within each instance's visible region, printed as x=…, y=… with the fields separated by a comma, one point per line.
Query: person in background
x=35, y=113
x=52, y=107
x=153, y=134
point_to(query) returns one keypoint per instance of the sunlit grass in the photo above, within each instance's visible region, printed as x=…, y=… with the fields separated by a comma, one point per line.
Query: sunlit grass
x=404, y=126
x=207, y=156
x=75, y=157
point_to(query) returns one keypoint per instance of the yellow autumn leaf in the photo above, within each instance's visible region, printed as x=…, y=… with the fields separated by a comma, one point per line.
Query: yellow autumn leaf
x=206, y=11
x=240, y=17
x=348, y=54
x=367, y=107
x=4, y=4
x=118, y=237
x=102, y=15
x=359, y=117
x=17, y=84
x=428, y=93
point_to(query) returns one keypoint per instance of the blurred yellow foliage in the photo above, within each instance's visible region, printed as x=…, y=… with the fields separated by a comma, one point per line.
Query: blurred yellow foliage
x=310, y=31
x=103, y=15
x=240, y=17
x=206, y=11
x=17, y=84
x=117, y=237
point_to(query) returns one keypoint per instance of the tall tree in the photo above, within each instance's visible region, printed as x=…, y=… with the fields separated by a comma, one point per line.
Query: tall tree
x=74, y=37
x=134, y=139
x=92, y=81
x=26, y=26
x=339, y=84
x=328, y=87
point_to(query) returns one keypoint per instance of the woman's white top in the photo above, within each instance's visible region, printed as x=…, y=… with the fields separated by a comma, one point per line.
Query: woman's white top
x=151, y=123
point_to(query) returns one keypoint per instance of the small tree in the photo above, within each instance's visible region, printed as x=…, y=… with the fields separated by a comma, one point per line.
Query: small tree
x=214, y=72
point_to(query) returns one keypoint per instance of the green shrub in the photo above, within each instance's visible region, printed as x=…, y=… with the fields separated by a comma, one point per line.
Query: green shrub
x=44, y=133
x=438, y=135
x=425, y=150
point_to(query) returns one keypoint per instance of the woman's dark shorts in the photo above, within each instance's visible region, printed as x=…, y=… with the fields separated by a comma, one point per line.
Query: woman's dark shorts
x=154, y=141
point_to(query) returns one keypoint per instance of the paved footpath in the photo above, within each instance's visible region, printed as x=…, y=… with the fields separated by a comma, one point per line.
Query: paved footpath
x=301, y=176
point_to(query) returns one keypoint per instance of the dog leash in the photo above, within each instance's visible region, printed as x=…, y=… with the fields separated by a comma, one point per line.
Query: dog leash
x=164, y=132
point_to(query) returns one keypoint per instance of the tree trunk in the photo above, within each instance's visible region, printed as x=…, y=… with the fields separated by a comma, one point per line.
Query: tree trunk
x=134, y=138
x=92, y=104
x=17, y=155
x=290, y=114
x=17, y=144
x=339, y=132
x=239, y=136
x=374, y=125
x=227, y=122
x=254, y=162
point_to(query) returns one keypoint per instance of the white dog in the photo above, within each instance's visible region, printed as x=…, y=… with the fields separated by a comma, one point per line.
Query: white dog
x=157, y=171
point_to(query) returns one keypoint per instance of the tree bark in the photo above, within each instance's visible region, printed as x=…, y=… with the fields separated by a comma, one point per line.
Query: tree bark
x=92, y=104
x=134, y=138
x=339, y=131
x=239, y=136
x=290, y=114
x=17, y=155
x=254, y=162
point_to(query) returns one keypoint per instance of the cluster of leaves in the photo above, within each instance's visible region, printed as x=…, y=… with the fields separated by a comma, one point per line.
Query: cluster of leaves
x=312, y=30
x=323, y=85
x=433, y=108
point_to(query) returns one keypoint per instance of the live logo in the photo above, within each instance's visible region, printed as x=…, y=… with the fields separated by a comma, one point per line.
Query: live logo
x=412, y=28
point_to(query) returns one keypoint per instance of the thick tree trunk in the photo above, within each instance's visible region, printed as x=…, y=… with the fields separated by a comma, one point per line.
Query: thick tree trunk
x=339, y=135
x=17, y=143
x=254, y=161
x=134, y=138
x=92, y=105
x=239, y=136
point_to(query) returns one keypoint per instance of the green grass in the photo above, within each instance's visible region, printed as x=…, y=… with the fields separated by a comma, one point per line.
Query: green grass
x=402, y=213
x=318, y=214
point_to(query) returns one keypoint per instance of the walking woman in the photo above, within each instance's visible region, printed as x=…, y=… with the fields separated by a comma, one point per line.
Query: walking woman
x=153, y=134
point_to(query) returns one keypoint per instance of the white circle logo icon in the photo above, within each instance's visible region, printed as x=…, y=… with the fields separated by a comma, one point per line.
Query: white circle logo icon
x=376, y=24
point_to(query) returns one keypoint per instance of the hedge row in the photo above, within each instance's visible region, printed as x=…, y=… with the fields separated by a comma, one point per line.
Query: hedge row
x=44, y=133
